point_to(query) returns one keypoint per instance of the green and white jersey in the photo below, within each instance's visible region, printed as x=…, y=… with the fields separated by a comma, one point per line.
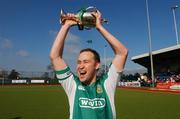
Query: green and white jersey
x=95, y=101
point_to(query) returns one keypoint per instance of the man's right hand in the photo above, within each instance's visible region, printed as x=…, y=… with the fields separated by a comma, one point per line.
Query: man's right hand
x=72, y=20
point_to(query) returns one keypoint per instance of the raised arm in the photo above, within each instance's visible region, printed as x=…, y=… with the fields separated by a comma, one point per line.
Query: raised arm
x=119, y=49
x=58, y=45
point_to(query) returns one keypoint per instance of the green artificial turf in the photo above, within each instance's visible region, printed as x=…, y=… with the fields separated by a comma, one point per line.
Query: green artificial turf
x=50, y=102
x=133, y=104
x=33, y=102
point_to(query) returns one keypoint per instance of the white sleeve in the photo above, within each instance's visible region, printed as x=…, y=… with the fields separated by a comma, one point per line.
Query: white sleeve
x=110, y=85
x=113, y=76
x=66, y=78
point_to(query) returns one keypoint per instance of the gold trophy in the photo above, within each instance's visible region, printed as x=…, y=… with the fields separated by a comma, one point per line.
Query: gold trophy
x=84, y=16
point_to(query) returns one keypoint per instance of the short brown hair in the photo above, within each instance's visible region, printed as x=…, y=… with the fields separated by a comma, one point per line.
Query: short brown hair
x=96, y=54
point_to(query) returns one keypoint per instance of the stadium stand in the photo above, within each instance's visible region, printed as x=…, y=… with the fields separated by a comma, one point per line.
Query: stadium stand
x=165, y=60
x=166, y=64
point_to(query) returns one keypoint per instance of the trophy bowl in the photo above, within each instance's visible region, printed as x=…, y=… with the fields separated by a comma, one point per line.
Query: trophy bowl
x=84, y=17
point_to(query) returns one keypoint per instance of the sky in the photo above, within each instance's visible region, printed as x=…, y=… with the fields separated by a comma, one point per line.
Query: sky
x=29, y=27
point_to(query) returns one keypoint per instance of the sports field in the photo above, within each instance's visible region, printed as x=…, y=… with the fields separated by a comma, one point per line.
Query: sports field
x=50, y=102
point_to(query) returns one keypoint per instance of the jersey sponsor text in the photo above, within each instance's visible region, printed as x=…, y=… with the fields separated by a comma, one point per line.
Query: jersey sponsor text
x=92, y=103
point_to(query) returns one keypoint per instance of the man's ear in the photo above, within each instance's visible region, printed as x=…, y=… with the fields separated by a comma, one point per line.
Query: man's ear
x=97, y=65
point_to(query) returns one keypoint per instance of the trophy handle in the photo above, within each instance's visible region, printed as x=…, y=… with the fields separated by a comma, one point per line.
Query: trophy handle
x=80, y=27
x=62, y=16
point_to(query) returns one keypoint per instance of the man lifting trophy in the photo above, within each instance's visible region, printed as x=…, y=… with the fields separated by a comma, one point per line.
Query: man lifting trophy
x=90, y=96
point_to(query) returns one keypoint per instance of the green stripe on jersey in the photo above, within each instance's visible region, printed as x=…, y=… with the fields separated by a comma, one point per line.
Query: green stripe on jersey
x=63, y=74
x=62, y=71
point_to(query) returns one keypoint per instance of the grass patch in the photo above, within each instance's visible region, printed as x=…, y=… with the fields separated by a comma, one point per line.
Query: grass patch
x=50, y=102
x=133, y=104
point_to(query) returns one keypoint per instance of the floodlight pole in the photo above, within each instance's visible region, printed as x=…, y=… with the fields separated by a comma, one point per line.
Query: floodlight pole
x=105, y=57
x=175, y=24
x=150, y=45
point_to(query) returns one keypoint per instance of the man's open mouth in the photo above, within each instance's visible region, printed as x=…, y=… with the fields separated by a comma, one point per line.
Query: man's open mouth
x=82, y=73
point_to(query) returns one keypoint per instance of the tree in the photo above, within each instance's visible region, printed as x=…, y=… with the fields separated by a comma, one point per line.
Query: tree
x=3, y=74
x=103, y=69
x=50, y=67
x=45, y=75
x=51, y=71
x=130, y=77
x=136, y=75
x=13, y=75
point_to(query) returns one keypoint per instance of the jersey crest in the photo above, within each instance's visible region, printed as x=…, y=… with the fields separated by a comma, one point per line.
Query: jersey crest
x=99, y=89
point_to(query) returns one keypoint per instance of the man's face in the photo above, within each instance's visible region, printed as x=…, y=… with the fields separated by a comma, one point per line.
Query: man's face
x=87, y=67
